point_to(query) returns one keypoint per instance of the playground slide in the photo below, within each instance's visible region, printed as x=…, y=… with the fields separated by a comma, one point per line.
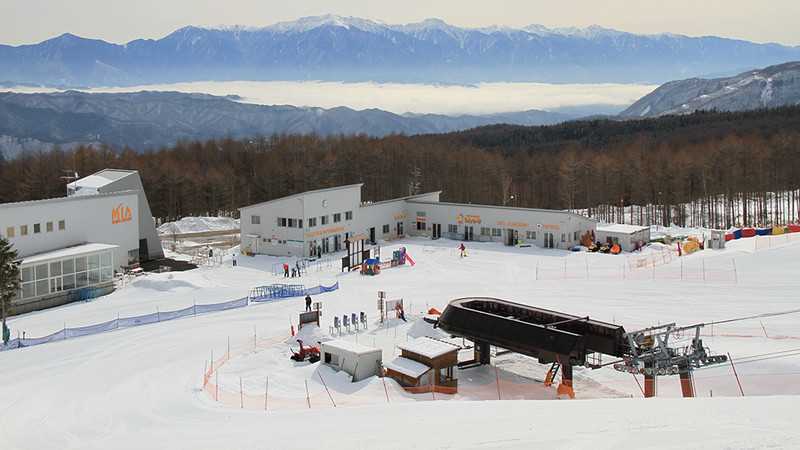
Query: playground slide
x=408, y=258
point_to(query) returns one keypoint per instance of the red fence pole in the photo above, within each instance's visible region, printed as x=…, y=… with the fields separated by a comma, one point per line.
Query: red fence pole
x=326, y=389
x=735, y=374
x=497, y=378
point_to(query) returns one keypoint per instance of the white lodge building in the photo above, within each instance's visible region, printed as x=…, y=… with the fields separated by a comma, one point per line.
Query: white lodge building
x=71, y=246
x=303, y=224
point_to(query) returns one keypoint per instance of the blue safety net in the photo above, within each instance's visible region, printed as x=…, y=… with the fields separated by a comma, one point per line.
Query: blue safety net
x=124, y=322
x=276, y=291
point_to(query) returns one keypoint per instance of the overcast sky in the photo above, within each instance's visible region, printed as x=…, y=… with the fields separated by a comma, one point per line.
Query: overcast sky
x=32, y=21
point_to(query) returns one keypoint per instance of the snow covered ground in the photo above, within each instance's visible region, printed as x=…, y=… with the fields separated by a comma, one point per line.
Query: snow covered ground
x=143, y=386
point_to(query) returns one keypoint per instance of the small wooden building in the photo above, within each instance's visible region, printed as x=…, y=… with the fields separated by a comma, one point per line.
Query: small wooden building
x=359, y=360
x=425, y=360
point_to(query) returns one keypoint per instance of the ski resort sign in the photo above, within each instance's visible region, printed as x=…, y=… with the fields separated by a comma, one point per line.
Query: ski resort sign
x=121, y=213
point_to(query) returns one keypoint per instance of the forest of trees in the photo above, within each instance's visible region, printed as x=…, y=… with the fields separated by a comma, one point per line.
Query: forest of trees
x=709, y=161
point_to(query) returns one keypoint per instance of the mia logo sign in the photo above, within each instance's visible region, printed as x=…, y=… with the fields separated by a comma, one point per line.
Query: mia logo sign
x=121, y=214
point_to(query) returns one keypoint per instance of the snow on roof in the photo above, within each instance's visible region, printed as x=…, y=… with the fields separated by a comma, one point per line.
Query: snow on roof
x=350, y=346
x=302, y=194
x=66, y=252
x=619, y=228
x=427, y=347
x=406, y=366
x=99, y=179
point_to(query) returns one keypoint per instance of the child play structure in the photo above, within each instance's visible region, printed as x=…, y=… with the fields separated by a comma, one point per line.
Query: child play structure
x=373, y=266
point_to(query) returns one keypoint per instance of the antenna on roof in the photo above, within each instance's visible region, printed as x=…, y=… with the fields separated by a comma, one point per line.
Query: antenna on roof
x=70, y=177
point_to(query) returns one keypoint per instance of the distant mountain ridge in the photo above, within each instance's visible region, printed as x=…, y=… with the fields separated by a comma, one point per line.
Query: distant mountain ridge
x=770, y=87
x=145, y=120
x=334, y=48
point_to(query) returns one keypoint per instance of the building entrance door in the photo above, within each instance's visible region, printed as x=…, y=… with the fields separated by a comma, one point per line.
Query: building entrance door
x=399, y=228
x=468, y=233
x=372, y=235
x=437, y=231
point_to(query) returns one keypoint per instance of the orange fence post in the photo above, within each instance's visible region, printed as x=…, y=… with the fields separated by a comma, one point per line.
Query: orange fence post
x=266, y=394
x=326, y=389
x=241, y=392
x=433, y=391
x=735, y=374
x=308, y=397
x=497, y=379
x=384, y=389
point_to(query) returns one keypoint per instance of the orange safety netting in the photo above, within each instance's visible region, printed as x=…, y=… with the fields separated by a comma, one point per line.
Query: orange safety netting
x=384, y=391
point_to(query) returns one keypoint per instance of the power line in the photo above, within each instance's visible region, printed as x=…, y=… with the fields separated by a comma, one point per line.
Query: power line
x=791, y=311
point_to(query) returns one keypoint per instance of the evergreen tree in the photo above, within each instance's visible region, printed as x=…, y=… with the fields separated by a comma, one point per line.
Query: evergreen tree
x=9, y=281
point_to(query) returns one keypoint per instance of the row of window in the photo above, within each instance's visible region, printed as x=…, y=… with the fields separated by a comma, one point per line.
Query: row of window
x=36, y=229
x=298, y=223
x=65, y=274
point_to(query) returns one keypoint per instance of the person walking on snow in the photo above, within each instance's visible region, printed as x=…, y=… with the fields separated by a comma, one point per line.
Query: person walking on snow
x=308, y=303
x=234, y=260
x=285, y=270
x=463, y=251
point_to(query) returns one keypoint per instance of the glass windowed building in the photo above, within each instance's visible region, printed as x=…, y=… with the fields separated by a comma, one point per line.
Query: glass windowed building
x=70, y=247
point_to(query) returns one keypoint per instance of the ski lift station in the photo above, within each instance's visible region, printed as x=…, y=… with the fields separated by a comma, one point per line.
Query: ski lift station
x=70, y=247
x=321, y=221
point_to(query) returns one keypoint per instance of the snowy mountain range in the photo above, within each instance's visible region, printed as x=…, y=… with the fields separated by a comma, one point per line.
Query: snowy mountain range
x=349, y=49
x=145, y=120
x=770, y=87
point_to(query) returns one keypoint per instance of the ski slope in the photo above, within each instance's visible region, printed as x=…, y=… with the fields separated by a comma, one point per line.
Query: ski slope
x=143, y=386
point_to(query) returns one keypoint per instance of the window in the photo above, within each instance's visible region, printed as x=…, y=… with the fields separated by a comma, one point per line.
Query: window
x=37, y=228
x=49, y=227
x=68, y=265
x=292, y=223
x=282, y=221
x=41, y=271
x=10, y=232
x=530, y=234
x=420, y=213
x=386, y=229
x=337, y=217
x=299, y=223
x=62, y=224
x=348, y=215
x=486, y=231
x=23, y=230
x=575, y=236
x=563, y=237
x=312, y=222
x=255, y=220
x=452, y=228
x=323, y=220
x=420, y=226
x=497, y=232
x=445, y=374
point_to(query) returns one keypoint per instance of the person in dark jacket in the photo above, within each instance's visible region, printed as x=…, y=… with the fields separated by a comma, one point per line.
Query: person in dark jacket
x=308, y=303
